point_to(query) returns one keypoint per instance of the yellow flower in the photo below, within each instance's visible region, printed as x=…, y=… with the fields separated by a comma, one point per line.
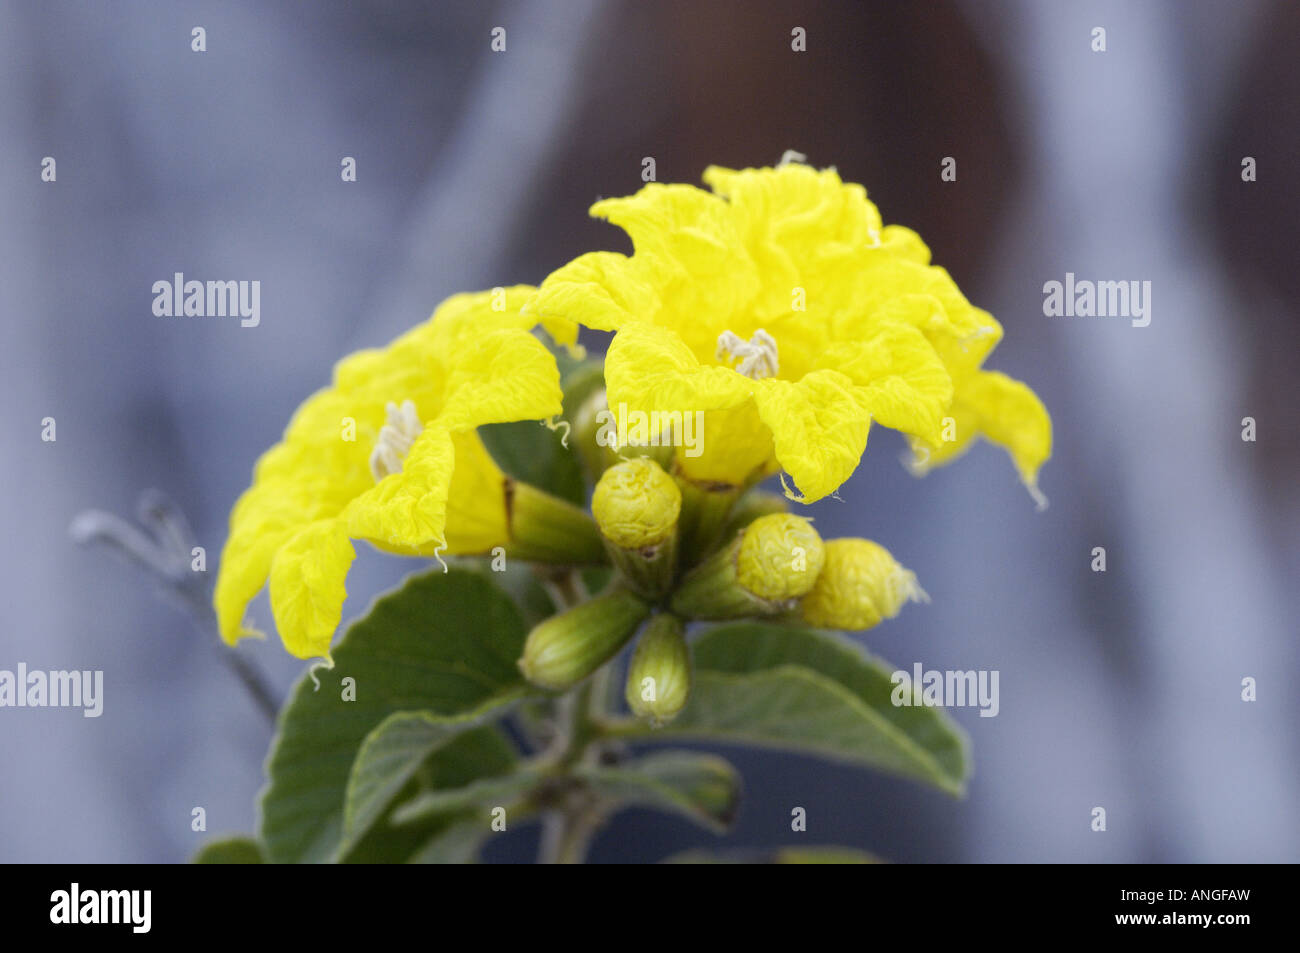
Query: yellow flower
x=387, y=454
x=782, y=307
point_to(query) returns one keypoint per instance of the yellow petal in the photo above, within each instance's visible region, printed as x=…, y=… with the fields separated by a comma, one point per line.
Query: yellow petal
x=245, y=561
x=962, y=334
x=900, y=378
x=1003, y=411
x=498, y=377
x=600, y=290
x=688, y=250
x=464, y=317
x=408, y=509
x=477, y=508
x=798, y=208
x=650, y=368
x=819, y=429
x=307, y=587
x=732, y=446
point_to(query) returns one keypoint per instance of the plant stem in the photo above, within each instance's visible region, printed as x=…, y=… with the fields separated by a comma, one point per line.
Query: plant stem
x=567, y=829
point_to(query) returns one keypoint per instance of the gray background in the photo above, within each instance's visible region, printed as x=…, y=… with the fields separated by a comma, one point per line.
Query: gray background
x=476, y=169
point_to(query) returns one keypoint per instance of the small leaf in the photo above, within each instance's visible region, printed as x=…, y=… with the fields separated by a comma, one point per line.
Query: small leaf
x=445, y=643
x=531, y=453
x=231, y=850
x=814, y=691
x=494, y=791
x=391, y=755
x=700, y=787
x=477, y=752
x=535, y=454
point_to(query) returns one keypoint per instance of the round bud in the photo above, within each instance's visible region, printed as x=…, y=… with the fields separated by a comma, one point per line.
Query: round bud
x=859, y=585
x=636, y=504
x=780, y=557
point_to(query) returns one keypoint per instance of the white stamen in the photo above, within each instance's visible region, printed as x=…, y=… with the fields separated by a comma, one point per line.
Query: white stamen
x=791, y=156
x=395, y=439
x=757, y=357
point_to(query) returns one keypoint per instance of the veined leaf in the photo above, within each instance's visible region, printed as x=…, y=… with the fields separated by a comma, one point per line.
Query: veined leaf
x=813, y=691
x=443, y=643
x=700, y=787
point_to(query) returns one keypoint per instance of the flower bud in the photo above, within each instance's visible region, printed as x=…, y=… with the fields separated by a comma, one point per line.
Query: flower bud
x=659, y=675
x=773, y=561
x=564, y=649
x=637, y=506
x=547, y=529
x=860, y=584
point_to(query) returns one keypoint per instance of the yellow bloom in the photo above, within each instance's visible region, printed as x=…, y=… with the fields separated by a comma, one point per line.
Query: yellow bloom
x=782, y=307
x=387, y=454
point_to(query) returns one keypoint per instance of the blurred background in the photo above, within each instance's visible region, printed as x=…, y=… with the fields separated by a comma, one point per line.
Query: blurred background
x=1119, y=689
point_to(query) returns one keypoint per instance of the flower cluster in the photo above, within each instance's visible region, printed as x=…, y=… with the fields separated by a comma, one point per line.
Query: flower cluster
x=778, y=306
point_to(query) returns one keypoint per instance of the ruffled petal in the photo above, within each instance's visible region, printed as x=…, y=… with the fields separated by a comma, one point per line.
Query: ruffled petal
x=1005, y=412
x=900, y=378
x=688, y=249
x=650, y=368
x=601, y=290
x=500, y=376
x=307, y=585
x=408, y=509
x=819, y=428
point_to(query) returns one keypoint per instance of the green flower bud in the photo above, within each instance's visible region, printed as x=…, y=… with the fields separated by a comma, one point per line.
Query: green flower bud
x=659, y=675
x=860, y=585
x=705, y=508
x=564, y=649
x=637, y=506
x=547, y=529
x=772, y=562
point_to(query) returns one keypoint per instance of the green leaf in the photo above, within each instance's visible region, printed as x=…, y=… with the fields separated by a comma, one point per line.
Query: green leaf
x=517, y=580
x=445, y=643
x=781, y=855
x=464, y=758
x=700, y=787
x=391, y=755
x=457, y=843
x=777, y=686
x=230, y=850
x=532, y=453
x=494, y=791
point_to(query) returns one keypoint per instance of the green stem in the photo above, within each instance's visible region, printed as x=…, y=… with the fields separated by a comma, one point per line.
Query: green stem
x=568, y=828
